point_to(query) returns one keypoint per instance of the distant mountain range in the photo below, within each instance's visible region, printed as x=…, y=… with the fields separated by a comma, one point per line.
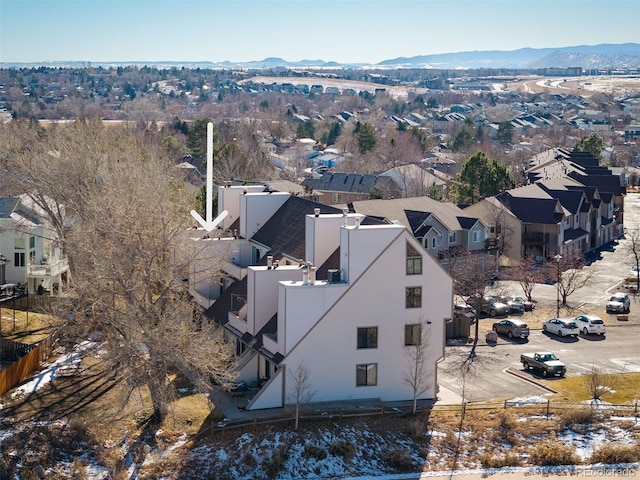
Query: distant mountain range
x=603, y=56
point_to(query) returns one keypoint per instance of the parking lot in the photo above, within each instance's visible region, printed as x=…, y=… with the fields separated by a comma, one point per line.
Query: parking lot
x=617, y=351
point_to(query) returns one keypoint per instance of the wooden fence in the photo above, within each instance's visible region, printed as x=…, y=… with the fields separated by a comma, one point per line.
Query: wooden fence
x=547, y=408
x=27, y=363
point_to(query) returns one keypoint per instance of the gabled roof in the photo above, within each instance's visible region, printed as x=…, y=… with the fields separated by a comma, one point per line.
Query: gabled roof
x=467, y=222
x=604, y=183
x=416, y=219
x=570, y=199
x=344, y=182
x=396, y=210
x=532, y=210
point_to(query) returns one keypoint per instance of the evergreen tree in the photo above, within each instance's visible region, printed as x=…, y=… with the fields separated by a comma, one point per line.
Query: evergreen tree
x=592, y=144
x=505, y=133
x=463, y=140
x=197, y=138
x=334, y=133
x=366, y=137
x=479, y=178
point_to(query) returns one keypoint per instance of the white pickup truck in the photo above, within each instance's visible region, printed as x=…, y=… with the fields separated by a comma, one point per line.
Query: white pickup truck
x=546, y=362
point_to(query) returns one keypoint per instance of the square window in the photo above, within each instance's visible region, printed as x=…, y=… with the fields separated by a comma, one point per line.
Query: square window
x=18, y=243
x=414, y=266
x=414, y=297
x=367, y=375
x=412, y=334
x=367, y=337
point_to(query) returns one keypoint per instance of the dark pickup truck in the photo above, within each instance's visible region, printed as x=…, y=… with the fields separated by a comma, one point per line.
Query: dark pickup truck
x=546, y=362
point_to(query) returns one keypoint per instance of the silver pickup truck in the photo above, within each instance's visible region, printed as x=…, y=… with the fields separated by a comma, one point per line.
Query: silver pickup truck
x=546, y=362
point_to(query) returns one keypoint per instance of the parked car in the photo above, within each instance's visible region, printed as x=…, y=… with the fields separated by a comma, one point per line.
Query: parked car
x=494, y=308
x=563, y=327
x=515, y=305
x=463, y=310
x=619, y=303
x=590, y=324
x=528, y=306
x=512, y=328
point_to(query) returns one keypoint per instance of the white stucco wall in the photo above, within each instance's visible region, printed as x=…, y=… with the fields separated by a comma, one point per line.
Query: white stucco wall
x=229, y=200
x=376, y=298
x=322, y=236
x=262, y=293
x=358, y=247
x=257, y=208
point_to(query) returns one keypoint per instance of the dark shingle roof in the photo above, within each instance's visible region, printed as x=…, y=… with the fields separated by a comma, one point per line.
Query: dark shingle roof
x=532, y=210
x=467, y=222
x=416, y=219
x=219, y=311
x=344, y=182
x=604, y=183
x=283, y=233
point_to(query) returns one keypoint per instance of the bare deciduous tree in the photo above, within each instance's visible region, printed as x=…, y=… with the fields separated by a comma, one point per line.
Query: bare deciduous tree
x=472, y=273
x=572, y=275
x=598, y=383
x=300, y=391
x=417, y=374
x=529, y=274
x=119, y=211
x=633, y=250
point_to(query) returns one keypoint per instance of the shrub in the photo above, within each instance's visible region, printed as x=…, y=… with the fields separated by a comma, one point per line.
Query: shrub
x=278, y=459
x=400, y=460
x=488, y=460
x=313, y=451
x=611, y=453
x=508, y=420
x=344, y=449
x=578, y=416
x=553, y=453
x=416, y=428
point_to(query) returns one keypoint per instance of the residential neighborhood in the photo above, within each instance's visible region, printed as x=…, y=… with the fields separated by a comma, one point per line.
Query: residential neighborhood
x=355, y=239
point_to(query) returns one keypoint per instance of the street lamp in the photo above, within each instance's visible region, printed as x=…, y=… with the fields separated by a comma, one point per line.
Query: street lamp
x=558, y=257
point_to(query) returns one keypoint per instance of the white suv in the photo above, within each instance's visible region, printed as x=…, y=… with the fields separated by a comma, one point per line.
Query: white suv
x=590, y=324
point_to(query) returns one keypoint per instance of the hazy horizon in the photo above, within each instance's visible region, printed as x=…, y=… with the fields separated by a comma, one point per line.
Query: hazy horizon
x=344, y=31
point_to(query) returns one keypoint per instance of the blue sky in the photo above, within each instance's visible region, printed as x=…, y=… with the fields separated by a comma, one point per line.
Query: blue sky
x=341, y=30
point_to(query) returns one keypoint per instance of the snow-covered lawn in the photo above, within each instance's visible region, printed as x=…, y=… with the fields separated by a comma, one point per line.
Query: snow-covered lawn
x=363, y=450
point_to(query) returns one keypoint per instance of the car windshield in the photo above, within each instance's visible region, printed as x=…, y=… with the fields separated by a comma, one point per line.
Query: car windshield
x=597, y=321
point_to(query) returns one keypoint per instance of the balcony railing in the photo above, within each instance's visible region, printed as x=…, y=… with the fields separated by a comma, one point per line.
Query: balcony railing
x=48, y=269
x=535, y=238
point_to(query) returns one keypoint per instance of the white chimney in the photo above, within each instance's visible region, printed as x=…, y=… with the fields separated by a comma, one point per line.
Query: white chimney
x=305, y=275
x=316, y=212
x=312, y=275
x=269, y=261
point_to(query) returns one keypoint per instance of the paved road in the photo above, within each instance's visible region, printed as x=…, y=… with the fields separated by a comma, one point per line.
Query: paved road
x=618, y=351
